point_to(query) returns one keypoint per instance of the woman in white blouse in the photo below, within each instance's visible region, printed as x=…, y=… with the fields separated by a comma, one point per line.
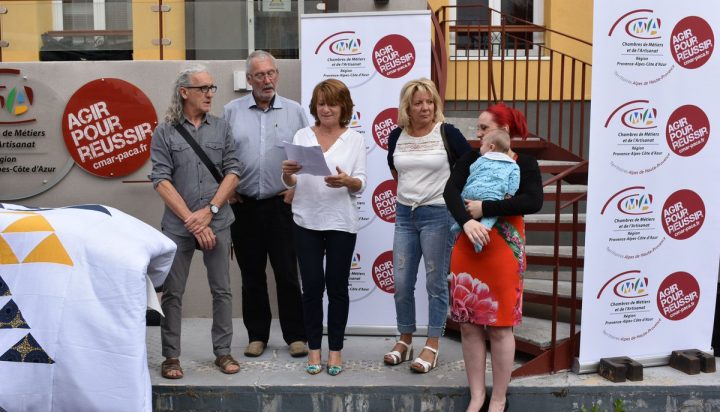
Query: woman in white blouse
x=325, y=215
x=421, y=153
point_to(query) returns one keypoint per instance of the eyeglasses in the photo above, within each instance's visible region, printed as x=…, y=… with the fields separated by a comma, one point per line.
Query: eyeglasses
x=270, y=74
x=204, y=89
x=483, y=127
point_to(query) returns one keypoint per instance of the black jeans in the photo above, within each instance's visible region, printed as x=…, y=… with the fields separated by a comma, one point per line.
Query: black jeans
x=262, y=229
x=337, y=248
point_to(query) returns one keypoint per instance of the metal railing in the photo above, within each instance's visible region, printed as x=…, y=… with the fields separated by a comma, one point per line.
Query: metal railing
x=561, y=353
x=574, y=338
x=540, y=71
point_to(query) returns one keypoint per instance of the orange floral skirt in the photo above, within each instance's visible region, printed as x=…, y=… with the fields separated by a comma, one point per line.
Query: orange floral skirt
x=486, y=288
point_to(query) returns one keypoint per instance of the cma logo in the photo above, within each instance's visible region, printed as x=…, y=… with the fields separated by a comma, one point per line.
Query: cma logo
x=345, y=47
x=355, y=120
x=631, y=287
x=631, y=201
x=343, y=43
x=627, y=285
x=640, y=118
x=635, y=114
x=15, y=100
x=640, y=24
x=355, y=262
x=644, y=28
x=635, y=204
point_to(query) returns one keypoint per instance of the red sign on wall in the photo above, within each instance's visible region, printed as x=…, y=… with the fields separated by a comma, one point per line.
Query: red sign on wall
x=107, y=126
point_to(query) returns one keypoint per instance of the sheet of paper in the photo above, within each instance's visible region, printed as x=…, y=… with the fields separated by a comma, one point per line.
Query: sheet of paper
x=152, y=299
x=311, y=159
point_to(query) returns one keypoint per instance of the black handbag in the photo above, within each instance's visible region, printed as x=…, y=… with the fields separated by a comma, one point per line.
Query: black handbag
x=452, y=157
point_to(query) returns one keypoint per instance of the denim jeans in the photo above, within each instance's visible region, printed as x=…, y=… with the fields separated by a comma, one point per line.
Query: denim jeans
x=423, y=232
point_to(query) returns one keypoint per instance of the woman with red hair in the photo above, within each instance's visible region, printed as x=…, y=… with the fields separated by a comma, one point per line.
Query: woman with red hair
x=486, y=287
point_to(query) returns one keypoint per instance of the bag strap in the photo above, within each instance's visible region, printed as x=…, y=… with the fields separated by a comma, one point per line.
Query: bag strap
x=199, y=151
x=452, y=158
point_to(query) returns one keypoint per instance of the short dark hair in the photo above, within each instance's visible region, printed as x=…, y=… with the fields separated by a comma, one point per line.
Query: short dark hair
x=333, y=92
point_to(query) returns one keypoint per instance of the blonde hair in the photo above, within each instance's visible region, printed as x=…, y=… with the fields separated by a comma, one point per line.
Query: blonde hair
x=406, y=95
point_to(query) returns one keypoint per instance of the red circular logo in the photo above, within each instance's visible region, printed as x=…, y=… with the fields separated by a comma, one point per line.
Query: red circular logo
x=687, y=130
x=383, y=124
x=692, y=42
x=382, y=272
x=683, y=214
x=107, y=126
x=678, y=296
x=384, y=200
x=393, y=56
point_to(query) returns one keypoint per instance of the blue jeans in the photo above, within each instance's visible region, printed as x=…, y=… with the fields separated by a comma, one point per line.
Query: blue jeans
x=423, y=232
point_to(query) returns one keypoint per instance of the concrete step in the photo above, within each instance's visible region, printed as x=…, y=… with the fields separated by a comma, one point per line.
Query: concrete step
x=567, y=191
x=548, y=251
x=550, y=218
x=541, y=291
x=544, y=274
x=537, y=332
x=276, y=382
x=544, y=255
x=546, y=222
x=559, y=166
x=544, y=287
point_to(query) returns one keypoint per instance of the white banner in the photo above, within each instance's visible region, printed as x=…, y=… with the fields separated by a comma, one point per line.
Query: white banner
x=374, y=55
x=652, y=244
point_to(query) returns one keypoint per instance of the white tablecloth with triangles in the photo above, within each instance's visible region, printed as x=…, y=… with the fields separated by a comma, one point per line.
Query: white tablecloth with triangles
x=72, y=308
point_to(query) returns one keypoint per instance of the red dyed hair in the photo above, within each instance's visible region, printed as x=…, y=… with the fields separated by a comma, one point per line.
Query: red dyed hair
x=510, y=117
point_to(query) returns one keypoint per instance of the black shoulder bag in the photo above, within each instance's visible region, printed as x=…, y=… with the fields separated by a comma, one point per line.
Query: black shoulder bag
x=452, y=157
x=199, y=151
x=202, y=155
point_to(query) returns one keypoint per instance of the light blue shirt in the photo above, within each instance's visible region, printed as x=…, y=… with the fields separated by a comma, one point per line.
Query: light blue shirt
x=259, y=135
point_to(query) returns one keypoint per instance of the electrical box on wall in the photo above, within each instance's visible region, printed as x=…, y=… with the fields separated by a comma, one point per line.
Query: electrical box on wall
x=240, y=82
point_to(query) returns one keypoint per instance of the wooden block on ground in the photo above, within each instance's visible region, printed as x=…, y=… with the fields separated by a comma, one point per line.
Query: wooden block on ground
x=620, y=369
x=692, y=361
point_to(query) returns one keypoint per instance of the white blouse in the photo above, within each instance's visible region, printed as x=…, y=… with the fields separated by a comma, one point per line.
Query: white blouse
x=422, y=167
x=318, y=207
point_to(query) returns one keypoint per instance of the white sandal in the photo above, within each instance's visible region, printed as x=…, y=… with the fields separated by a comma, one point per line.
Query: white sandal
x=397, y=357
x=422, y=366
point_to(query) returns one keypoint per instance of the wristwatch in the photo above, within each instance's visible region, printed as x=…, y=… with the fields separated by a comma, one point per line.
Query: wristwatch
x=214, y=209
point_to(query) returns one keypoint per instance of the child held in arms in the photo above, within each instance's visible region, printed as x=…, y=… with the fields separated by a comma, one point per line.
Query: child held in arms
x=494, y=176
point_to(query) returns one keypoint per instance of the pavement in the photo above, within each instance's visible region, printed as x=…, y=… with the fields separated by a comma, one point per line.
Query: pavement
x=275, y=381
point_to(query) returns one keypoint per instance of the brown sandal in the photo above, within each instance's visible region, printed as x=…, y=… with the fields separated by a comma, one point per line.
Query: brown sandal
x=224, y=361
x=171, y=365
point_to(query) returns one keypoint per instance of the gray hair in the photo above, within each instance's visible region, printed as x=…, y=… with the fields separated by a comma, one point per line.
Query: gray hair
x=174, y=112
x=259, y=55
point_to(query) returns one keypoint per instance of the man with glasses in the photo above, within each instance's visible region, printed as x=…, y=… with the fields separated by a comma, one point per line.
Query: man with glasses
x=197, y=215
x=261, y=122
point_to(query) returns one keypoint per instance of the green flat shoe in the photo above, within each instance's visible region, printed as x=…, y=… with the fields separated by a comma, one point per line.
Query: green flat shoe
x=313, y=369
x=334, y=370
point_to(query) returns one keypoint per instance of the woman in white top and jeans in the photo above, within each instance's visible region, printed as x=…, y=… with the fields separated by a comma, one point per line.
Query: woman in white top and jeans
x=325, y=215
x=420, y=160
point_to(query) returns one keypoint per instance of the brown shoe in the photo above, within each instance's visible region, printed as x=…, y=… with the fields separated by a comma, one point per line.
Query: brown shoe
x=224, y=362
x=298, y=349
x=170, y=369
x=255, y=349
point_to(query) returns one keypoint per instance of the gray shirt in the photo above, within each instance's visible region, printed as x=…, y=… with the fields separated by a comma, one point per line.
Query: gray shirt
x=260, y=135
x=174, y=160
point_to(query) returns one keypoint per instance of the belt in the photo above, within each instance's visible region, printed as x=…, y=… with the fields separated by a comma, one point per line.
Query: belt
x=249, y=199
